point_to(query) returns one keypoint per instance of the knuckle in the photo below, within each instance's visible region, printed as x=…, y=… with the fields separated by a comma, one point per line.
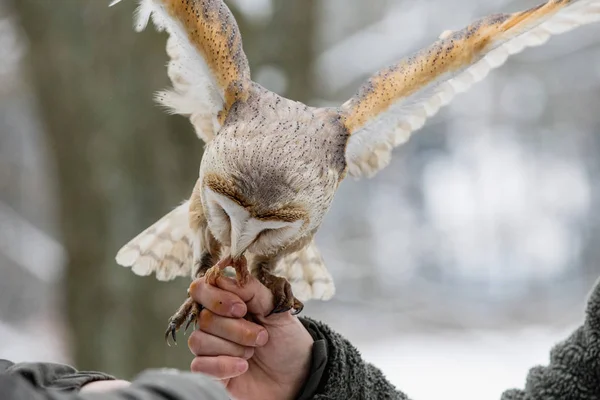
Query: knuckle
x=247, y=353
x=194, y=289
x=205, y=319
x=237, y=351
x=247, y=336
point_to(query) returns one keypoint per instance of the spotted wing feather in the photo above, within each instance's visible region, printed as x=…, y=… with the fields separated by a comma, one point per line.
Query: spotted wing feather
x=306, y=272
x=165, y=248
x=208, y=67
x=398, y=100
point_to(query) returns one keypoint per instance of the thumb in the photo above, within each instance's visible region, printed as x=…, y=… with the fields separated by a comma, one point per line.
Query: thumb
x=258, y=298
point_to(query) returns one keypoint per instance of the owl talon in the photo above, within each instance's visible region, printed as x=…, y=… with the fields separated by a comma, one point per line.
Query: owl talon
x=187, y=312
x=187, y=325
x=193, y=317
x=212, y=275
x=216, y=271
x=283, y=298
x=297, y=307
x=279, y=310
x=171, y=329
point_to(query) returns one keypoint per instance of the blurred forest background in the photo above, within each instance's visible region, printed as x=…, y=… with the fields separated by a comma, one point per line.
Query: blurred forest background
x=485, y=238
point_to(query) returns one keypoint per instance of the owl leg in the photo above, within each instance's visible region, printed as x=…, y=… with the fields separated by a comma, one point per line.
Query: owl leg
x=217, y=270
x=241, y=270
x=242, y=274
x=189, y=310
x=283, y=298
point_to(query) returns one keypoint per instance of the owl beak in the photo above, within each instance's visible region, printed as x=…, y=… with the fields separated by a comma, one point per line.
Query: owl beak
x=242, y=236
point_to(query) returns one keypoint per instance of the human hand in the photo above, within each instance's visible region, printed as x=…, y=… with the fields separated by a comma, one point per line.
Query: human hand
x=268, y=358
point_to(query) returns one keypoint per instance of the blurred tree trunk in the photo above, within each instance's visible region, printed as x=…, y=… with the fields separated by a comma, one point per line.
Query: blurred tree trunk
x=123, y=163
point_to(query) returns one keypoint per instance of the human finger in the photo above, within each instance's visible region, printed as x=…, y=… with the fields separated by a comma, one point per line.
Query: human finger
x=258, y=298
x=204, y=344
x=240, y=331
x=217, y=300
x=220, y=367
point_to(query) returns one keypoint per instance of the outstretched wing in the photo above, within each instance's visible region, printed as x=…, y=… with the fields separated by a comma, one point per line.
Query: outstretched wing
x=307, y=274
x=164, y=248
x=208, y=68
x=397, y=101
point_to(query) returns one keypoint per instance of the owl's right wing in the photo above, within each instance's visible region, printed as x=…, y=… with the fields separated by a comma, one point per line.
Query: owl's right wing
x=398, y=100
x=208, y=67
x=306, y=272
x=165, y=248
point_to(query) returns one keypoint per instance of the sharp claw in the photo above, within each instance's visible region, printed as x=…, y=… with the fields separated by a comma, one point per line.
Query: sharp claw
x=171, y=330
x=278, y=310
x=191, y=318
x=298, y=307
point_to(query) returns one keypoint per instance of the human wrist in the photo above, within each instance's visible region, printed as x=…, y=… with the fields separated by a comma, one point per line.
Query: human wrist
x=304, y=346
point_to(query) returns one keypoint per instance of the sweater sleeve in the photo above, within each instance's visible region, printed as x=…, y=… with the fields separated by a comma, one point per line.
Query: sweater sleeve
x=339, y=372
x=51, y=375
x=574, y=369
x=150, y=385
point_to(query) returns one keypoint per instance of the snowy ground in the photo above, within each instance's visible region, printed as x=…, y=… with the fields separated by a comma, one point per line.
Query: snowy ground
x=466, y=366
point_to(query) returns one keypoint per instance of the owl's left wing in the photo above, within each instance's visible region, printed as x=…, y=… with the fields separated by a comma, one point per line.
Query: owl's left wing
x=208, y=67
x=306, y=272
x=397, y=101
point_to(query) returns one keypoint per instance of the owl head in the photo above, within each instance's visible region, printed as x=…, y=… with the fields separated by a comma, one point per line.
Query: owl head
x=268, y=177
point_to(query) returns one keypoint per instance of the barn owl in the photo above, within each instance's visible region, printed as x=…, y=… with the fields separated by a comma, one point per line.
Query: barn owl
x=271, y=166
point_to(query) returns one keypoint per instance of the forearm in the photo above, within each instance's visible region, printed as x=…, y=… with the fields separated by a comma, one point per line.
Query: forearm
x=345, y=374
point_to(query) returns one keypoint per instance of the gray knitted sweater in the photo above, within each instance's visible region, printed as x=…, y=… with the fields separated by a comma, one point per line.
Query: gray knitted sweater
x=337, y=372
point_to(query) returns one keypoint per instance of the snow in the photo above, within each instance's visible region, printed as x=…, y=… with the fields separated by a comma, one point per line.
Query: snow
x=466, y=366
